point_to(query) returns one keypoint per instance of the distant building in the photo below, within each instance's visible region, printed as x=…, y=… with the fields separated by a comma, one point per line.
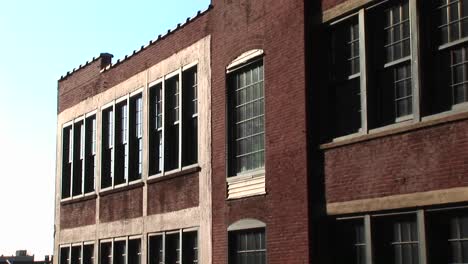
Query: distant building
x=22, y=257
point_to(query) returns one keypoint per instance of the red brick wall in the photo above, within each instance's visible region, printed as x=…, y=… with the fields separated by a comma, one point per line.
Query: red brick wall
x=173, y=194
x=78, y=214
x=121, y=205
x=278, y=28
x=429, y=159
x=81, y=85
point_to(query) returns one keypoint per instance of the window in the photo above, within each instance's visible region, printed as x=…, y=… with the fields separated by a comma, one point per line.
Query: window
x=134, y=251
x=172, y=247
x=448, y=236
x=77, y=254
x=190, y=117
x=350, y=242
x=190, y=246
x=346, y=77
x=120, y=251
x=79, y=157
x=105, y=253
x=390, y=88
x=396, y=239
x=453, y=31
x=65, y=255
x=384, y=71
x=122, y=142
x=246, y=119
x=88, y=254
x=247, y=246
x=135, y=140
x=173, y=137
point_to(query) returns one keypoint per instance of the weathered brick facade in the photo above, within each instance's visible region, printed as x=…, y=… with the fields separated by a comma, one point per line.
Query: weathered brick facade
x=173, y=194
x=426, y=159
x=78, y=214
x=313, y=180
x=269, y=25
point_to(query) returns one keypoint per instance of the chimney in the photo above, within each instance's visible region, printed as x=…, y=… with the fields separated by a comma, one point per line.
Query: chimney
x=106, y=59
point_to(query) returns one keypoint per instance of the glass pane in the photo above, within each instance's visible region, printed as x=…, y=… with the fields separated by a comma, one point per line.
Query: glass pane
x=456, y=256
x=453, y=12
x=396, y=15
x=464, y=253
x=414, y=232
x=464, y=9
x=396, y=232
x=405, y=231
x=454, y=31
x=454, y=233
x=406, y=254
x=464, y=25
x=415, y=253
x=397, y=254
x=405, y=11
x=464, y=226
x=444, y=35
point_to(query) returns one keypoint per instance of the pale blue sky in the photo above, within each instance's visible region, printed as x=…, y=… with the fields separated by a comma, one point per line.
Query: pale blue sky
x=39, y=42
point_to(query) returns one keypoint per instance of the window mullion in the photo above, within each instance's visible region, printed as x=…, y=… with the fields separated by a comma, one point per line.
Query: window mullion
x=415, y=55
x=114, y=130
x=71, y=157
x=163, y=126
x=180, y=247
x=421, y=237
x=368, y=238
x=163, y=248
x=126, y=249
x=180, y=118
x=449, y=19
x=83, y=156
x=363, y=70
x=127, y=142
x=459, y=22
x=81, y=253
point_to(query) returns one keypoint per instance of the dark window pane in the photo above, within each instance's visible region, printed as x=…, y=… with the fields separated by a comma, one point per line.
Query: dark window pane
x=155, y=250
x=105, y=253
x=120, y=252
x=76, y=255
x=88, y=254
x=65, y=255
x=134, y=251
x=247, y=247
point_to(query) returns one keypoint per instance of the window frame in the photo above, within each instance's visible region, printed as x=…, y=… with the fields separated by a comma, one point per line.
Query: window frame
x=125, y=239
x=234, y=251
x=161, y=83
x=113, y=106
x=361, y=12
x=240, y=64
x=71, y=155
x=163, y=235
x=70, y=246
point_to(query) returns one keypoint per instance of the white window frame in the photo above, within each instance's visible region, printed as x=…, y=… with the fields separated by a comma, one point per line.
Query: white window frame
x=163, y=235
x=71, y=124
x=79, y=244
x=162, y=81
x=113, y=107
x=415, y=70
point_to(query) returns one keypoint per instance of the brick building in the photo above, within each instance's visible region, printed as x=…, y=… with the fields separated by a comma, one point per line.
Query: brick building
x=272, y=132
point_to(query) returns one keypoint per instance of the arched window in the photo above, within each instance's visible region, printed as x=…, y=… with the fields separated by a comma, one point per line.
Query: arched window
x=247, y=243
